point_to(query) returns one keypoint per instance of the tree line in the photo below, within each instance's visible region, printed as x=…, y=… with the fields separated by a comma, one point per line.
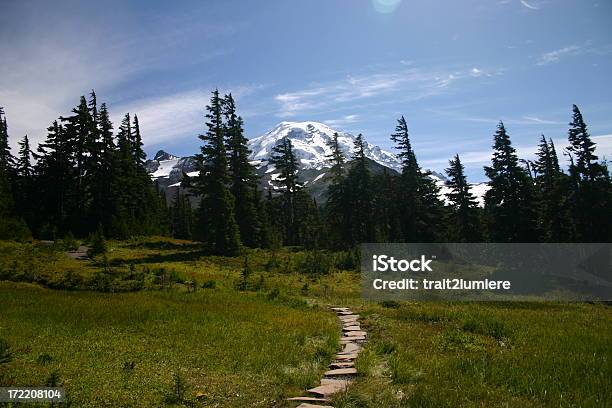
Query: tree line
x=81, y=178
x=86, y=177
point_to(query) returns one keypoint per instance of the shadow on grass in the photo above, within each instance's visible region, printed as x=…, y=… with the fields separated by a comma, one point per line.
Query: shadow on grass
x=163, y=245
x=161, y=258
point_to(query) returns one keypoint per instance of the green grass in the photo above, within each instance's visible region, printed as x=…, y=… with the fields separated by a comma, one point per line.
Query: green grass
x=157, y=342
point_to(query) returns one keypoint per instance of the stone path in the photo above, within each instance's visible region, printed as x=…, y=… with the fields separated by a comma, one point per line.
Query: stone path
x=342, y=370
x=80, y=254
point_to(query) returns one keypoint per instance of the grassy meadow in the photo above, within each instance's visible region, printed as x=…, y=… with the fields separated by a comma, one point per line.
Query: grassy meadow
x=158, y=323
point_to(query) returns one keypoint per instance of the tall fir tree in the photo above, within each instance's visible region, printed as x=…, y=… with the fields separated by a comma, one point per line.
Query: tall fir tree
x=552, y=186
x=509, y=203
x=285, y=163
x=420, y=210
x=336, y=209
x=592, y=192
x=465, y=222
x=360, y=198
x=243, y=181
x=217, y=223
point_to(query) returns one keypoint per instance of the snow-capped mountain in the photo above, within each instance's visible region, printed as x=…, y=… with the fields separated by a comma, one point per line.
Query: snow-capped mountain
x=310, y=141
x=310, y=146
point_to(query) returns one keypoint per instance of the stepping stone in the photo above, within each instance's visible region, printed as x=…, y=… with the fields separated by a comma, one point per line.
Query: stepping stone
x=336, y=381
x=340, y=309
x=347, y=364
x=342, y=371
x=349, y=316
x=308, y=399
x=350, y=348
x=352, y=337
x=352, y=328
x=328, y=388
x=307, y=405
x=356, y=333
x=345, y=357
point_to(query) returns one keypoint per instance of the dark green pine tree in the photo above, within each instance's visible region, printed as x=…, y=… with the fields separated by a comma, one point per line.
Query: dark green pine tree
x=55, y=177
x=217, y=223
x=124, y=183
x=107, y=172
x=336, y=209
x=465, y=222
x=243, y=181
x=510, y=203
x=552, y=187
x=81, y=135
x=181, y=216
x=359, y=196
x=6, y=162
x=285, y=163
x=592, y=192
x=420, y=210
x=24, y=193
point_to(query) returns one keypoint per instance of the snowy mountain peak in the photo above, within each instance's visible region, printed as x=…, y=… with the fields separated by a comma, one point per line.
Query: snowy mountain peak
x=161, y=155
x=310, y=144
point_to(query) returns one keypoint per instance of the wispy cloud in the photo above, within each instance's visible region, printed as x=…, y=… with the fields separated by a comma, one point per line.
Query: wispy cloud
x=417, y=82
x=556, y=55
x=167, y=118
x=343, y=121
x=529, y=6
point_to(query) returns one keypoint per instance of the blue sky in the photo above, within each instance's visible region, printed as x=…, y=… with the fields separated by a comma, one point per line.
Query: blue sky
x=453, y=68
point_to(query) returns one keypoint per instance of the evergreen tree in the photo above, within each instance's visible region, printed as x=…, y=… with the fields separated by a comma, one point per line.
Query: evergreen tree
x=359, y=196
x=243, y=181
x=181, y=219
x=552, y=186
x=420, y=210
x=217, y=223
x=591, y=197
x=336, y=208
x=285, y=163
x=465, y=221
x=509, y=203
x=24, y=163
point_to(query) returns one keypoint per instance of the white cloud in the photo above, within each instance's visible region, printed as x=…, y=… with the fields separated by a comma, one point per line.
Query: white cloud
x=529, y=6
x=343, y=121
x=416, y=82
x=166, y=118
x=556, y=55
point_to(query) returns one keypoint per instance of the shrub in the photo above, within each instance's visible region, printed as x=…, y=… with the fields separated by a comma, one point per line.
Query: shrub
x=53, y=380
x=178, y=389
x=5, y=351
x=69, y=243
x=209, y=284
x=315, y=263
x=273, y=294
x=390, y=304
x=347, y=260
x=44, y=359
x=97, y=243
x=244, y=276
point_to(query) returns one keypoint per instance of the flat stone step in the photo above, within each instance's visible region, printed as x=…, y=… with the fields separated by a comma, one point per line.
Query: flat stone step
x=352, y=328
x=356, y=333
x=341, y=371
x=307, y=405
x=340, y=309
x=308, y=399
x=346, y=364
x=345, y=357
x=345, y=313
x=350, y=339
x=348, y=316
x=351, y=348
x=329, y=387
